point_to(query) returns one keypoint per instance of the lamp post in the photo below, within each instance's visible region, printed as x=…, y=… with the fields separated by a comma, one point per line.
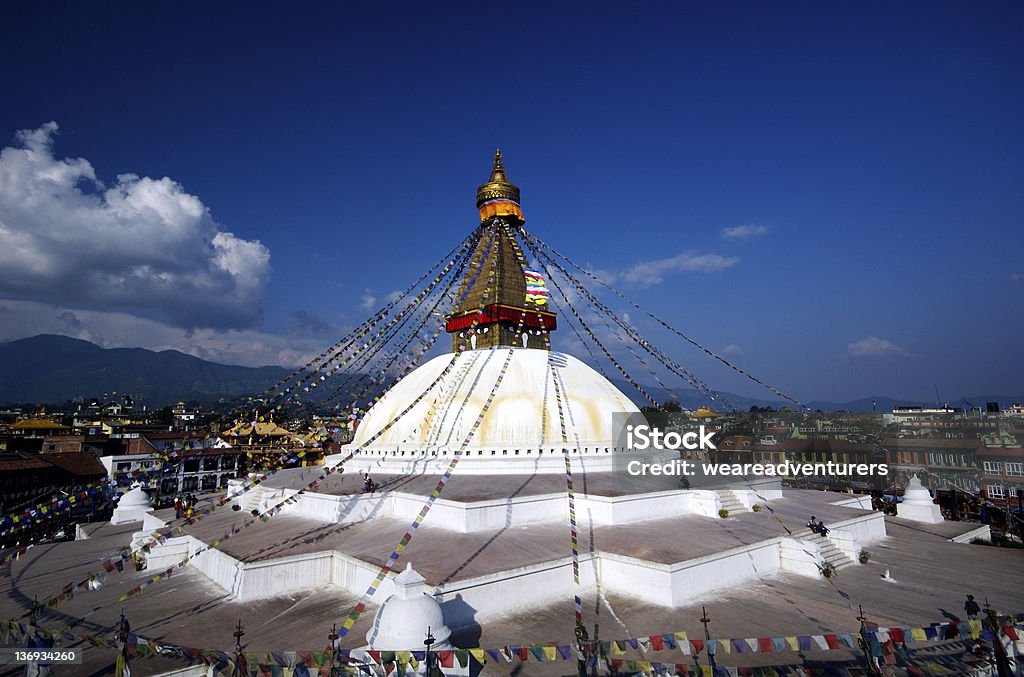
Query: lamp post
x=707, y=636
x=238, y=634
x=429, y=658
x=869, y=661
x=333, y=637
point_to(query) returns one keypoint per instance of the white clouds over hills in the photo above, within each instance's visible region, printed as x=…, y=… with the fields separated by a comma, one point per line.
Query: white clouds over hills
x=141, y=245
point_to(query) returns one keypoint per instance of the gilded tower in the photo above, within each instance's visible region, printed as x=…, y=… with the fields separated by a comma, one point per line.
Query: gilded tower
x=506, y=304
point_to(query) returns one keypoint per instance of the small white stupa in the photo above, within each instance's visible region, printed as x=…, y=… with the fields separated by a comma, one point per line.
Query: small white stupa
x=133, y=506
x=405, y=618
x=917, y=504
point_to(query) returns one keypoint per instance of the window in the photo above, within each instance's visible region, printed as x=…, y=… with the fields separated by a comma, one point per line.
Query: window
x=995, y=491
x=1015, y=468
x=993, y=468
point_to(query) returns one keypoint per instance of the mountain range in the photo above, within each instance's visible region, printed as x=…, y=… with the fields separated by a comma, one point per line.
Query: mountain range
x=50, y=369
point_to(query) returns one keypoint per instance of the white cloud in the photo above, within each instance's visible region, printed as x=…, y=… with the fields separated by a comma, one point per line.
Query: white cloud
x=606, y=276
x=650, y=273
x=247, y=347
x=1014, y=277
x=872, y=346
x=140, y=245
x=732, y=349
x=744, y=232
x=369, y=301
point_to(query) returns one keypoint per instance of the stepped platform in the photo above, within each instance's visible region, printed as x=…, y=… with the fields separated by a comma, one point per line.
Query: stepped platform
x=925, y=565
x=486, y=556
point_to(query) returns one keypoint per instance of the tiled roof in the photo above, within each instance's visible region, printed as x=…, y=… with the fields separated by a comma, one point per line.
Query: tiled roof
x=77, y=463
x=36, y=424
x=23, y=464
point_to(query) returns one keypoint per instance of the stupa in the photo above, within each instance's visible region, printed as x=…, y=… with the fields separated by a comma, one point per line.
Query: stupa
x=502, y=309
x=917, y=504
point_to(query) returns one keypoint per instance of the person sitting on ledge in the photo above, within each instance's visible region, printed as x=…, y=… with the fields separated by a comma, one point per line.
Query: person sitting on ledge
x=812, y=524
x=822, y=529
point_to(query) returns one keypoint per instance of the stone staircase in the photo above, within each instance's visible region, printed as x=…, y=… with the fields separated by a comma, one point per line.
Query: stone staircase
x=251, y=499
x=731, y=502
x=830, y=552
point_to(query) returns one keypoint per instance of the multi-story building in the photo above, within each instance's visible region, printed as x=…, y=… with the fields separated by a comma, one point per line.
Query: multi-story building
x=175, y=462
x=1001, y=456
x=940, y=463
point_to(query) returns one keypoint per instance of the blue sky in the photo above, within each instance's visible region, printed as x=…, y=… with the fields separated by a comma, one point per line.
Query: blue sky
x=292, y=167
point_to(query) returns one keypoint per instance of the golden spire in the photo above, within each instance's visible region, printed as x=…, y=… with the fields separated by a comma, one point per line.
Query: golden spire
x=496, y=310
x=498, y=186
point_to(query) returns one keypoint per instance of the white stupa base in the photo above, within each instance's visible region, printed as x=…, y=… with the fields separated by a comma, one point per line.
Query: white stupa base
x=128, y=515
x=513, y=586
x=493, y=595
x=927, y=513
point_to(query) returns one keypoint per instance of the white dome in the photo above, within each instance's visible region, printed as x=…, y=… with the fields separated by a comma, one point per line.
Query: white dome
x=405, y=618
x=524, y=411
x=136, y=498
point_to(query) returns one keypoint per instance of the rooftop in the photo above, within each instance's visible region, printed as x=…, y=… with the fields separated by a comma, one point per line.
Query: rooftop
x=926, y=568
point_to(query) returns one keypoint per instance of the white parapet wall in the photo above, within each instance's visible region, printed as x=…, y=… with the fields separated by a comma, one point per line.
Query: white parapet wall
x=724, y=569
x=482, y=597
x=472, y=600
x=468, y=517
x=983, y=533
x=489, y=596
x=800, y=556
x=861, y=501
x=863, y=529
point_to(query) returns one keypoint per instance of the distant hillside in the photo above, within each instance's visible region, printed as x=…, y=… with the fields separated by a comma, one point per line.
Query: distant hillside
x=50, y=369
